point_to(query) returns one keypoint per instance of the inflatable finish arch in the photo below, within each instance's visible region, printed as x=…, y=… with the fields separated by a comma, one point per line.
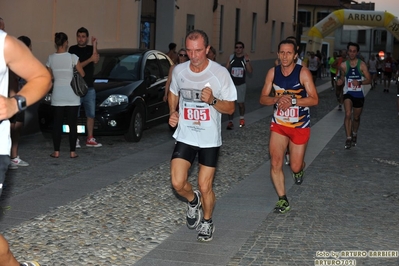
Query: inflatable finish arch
x=342, y=17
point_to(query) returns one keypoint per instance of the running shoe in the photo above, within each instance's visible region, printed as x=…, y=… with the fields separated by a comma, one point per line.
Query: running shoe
x=354, y=140
x=348, y=143
x=194, y=213
x=16, y=162
x=230, y=126
x=205, y=231
x=91, y=142
x=242, y=122
x=282, y=206
x=339, y=107
x=30, y=263
x=298, y=177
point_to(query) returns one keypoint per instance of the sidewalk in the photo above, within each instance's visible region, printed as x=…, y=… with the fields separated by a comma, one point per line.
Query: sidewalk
x=347, y=202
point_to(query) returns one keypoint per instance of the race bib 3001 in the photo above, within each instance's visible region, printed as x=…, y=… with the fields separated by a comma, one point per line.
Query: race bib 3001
x=290, y=115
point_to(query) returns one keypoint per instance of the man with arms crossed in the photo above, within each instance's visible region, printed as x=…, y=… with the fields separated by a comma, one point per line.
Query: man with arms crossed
x=204, y=91
x=354, y=74
x=88, y=56
x=295, y=92
x=16, y=56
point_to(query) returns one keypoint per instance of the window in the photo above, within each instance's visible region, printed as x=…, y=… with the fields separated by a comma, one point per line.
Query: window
x=267, y=11
x=221, y=28
x=304, y=18
x=237, y=26
x=253, y=39
x=118, y=66
x=321, y=15
x=151, y=67
x=273, y=38
x=384, y=36
x=361, y=36
x=379, y=39
x=190, y=20
x=282, y=35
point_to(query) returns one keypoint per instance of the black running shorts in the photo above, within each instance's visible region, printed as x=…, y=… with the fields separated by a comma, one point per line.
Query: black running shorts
x=356, y=102
x=206, y=156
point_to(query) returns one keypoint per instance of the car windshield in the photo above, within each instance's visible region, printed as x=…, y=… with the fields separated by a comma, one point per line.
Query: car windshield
x=118, y=67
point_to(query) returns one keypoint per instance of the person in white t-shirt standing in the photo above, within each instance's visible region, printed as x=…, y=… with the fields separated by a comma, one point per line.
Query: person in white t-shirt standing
x=204, y=91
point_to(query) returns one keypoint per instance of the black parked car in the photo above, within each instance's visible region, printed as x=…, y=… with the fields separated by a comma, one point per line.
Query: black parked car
x=130, y=85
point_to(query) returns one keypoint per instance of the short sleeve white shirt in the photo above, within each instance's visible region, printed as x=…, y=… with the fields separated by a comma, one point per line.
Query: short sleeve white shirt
x=200, y=123
x=61, y=66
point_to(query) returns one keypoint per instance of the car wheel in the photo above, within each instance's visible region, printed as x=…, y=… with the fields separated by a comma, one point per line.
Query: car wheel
x=136, y=125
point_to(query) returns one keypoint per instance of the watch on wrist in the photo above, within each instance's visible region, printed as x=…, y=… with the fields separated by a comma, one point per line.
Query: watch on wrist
x=21, y=102
x=213, y=101
x=293, y=101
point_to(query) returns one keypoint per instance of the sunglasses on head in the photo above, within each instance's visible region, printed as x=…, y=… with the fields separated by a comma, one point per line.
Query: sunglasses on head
x=238, y=47
x=182, y=55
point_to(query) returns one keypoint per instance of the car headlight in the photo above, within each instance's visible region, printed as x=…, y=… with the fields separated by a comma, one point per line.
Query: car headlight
x=115, y=99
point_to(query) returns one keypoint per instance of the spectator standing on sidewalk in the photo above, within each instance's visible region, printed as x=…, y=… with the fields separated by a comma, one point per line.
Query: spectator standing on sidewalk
x=64, y=102
x=17, y=121
x=290, y=125
x=212, y=53
x=183, y=57
x=204, y=91
x=354, y=75
x=16, y=56
x=88, y=56
x=238, y=65
x=172, y=53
